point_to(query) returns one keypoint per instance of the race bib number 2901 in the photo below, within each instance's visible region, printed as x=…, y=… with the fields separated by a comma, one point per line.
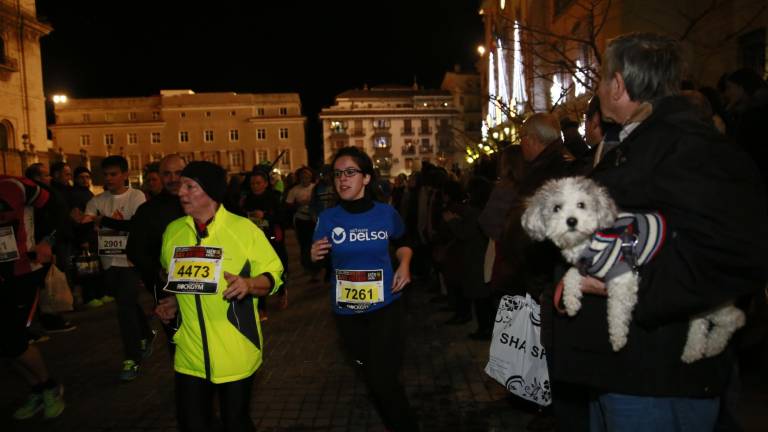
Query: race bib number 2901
x=194, y=270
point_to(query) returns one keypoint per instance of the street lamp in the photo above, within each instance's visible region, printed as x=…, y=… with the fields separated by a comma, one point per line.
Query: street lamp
x=60, y=98
x=481, y=50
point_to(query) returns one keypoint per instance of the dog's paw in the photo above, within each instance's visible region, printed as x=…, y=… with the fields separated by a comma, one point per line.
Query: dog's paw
x=691, y=354
x=572, y=291
x=618, y=341
x=572, y=305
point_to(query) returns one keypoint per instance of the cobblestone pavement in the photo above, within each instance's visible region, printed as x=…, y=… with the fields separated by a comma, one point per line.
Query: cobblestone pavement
x=305, y=383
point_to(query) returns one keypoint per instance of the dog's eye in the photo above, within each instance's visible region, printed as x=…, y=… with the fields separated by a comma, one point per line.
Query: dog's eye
x=557, y=208
x=580, y=205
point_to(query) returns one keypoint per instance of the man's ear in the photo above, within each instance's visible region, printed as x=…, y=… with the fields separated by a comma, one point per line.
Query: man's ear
x=618, y=87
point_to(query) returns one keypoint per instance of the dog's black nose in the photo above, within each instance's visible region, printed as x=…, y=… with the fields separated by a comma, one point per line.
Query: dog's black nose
x=571, y=221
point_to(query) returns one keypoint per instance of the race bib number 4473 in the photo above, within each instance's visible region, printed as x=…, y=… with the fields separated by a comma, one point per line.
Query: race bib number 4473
x=359, y=286
x=194, y=270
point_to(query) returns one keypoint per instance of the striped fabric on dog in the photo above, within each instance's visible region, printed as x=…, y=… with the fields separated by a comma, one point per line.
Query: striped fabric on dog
x=632, y=241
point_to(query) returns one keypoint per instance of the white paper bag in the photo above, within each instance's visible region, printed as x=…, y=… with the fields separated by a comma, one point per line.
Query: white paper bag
x=517, y=360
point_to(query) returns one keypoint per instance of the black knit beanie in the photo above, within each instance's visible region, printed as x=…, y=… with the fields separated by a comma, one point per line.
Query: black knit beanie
x=211, y=177
x=79, y=170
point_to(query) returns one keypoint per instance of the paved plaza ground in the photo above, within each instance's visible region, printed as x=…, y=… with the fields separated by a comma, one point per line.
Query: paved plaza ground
x=305, y=384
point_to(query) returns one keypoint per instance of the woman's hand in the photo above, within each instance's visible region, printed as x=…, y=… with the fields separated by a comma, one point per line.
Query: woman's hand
x=320, y=249
x=401, y=278
x=237, y=288
x=590, y=285
x=167, y=308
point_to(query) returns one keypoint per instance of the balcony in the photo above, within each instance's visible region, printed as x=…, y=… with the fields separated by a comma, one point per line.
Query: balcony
x=425, y=130
x=406, y=131
x=358, y=132
x=8, y=64
x=377, y=128
x=426, y=149
x=338, y=131
x=409, y=150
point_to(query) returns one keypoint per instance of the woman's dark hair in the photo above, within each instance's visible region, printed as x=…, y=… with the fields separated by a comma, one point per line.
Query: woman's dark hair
x=479, y=190
x=365, y=164
x=747, y=79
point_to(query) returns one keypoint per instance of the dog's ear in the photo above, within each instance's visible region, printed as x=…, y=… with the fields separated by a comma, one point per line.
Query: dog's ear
x=606, y=210
x=533, y=219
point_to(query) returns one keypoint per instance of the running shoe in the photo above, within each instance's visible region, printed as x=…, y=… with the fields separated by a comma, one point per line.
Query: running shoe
x=107, y=299
x=53, y=402
x=93, y=304
x=130, y=370
x=32, y=406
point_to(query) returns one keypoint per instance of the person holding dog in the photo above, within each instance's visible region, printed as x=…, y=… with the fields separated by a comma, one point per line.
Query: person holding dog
x=669, y=161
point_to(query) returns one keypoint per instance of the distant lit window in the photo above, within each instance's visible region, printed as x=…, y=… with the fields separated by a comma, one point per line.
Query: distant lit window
x=234, y=135
x=261, y=156
x=283, y=133
x=183, y=114
x=261, y=134
x=283, y=111
x=183, y=136
x=260, y=112
x=236, y=158
x=134, y=162
x=109, y=139
x=208, y=135
x=133, y=138
x=86, y=117
x=155, y=138
x=208, y=114
x=131, y=116
x=337, y=127
x=381, y=142
x=286, y=158
x=155, y=115
x=85, y=140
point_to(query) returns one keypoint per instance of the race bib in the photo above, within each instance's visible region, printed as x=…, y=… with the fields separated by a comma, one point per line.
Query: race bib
x=8, y=249
x=194, y=270
x=359, y=286
x=112, y=243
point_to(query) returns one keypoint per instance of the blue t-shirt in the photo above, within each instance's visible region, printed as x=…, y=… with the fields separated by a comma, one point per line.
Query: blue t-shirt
x=362, y=277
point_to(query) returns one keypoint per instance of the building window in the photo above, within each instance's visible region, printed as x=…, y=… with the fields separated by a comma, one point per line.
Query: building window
x=381, y=124
x=155, y=138
x=155, y=157
x=232, y=113
x=283, y=111
x=108, y=117
x=208, y=114
x=86, y=117
x=261, y=134
x=85, y=140
x=262, y=156
x=234, y=135
x=260, y=112
x=286, y=159
x=133, y=138
x=183, y=114
x=183, y=136
x=155, y=115
x=381, y=141
x=134, y=162
x=359, y=144
x=131, y=115
x=236, y=158
x=338, y=127
x=212, y=157
x=109, y=139
x=283, y=133
x=208, y=135
x=187, y=157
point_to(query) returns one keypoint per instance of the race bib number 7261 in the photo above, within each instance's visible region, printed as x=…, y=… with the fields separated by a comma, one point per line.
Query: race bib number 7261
x=359, y=286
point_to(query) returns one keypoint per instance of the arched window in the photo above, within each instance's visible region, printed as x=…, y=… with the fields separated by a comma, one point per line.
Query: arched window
x=4, y=136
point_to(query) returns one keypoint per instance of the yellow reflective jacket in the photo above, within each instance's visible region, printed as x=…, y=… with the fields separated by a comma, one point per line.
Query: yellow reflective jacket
x=220, y=340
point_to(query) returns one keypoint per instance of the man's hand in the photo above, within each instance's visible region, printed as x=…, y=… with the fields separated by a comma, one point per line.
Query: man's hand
x=167, y=308
x=237, y=287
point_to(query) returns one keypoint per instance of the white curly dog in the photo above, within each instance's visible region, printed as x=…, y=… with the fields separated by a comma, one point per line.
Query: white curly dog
x=569, y=211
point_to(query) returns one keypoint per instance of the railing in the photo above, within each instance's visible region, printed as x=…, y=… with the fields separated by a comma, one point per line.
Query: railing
x=426, y=149
x=425, y=130
x=411, y=150
x=406, y=131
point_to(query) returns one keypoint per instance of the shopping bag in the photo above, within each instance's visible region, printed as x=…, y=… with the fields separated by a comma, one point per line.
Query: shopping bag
x=517, y=359
x=56, y=296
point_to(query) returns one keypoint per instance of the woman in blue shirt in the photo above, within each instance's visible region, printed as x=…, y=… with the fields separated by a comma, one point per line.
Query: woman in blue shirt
x=366, y=291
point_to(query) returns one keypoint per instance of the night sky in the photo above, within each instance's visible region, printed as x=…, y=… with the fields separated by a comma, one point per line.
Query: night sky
x=315, y=48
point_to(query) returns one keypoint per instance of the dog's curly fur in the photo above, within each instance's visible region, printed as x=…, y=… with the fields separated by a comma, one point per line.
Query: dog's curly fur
x=568, y=211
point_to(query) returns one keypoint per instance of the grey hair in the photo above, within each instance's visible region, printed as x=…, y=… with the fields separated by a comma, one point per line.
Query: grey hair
x=650, y=64
x=545, y=126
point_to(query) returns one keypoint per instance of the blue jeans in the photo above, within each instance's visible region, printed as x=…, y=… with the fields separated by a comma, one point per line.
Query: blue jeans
x=613, y=412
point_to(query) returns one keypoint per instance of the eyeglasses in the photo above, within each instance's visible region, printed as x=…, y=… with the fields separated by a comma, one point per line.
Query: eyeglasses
x=349, y=172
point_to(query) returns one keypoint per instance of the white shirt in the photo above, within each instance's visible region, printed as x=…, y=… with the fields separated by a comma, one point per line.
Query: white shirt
x=301, y=195
x=121, y=206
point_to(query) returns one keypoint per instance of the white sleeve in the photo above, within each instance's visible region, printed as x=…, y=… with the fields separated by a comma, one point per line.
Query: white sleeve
x=91, y=208
x=291, y=197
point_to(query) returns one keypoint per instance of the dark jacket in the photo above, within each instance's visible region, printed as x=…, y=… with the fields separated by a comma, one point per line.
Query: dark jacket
x=146, y=235
x=711, y=196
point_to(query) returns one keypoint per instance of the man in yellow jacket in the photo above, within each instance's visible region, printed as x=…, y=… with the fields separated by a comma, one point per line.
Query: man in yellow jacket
x=217, y=263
